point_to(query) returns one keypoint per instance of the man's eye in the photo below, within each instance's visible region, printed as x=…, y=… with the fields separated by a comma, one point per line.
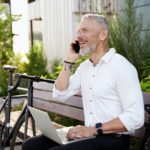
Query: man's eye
x=85, y=30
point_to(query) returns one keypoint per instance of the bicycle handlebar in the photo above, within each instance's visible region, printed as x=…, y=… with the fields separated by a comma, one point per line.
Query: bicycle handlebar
x=33, y=78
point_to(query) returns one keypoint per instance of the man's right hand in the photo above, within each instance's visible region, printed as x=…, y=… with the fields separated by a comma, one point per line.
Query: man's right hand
x=72, y=56
x=63, y=78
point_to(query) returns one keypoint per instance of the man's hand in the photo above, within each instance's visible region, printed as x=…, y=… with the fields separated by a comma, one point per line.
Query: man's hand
x=80, y=132
x=72, y=56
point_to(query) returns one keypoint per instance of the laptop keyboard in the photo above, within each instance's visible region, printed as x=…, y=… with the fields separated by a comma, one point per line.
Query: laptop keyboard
x=63, y=135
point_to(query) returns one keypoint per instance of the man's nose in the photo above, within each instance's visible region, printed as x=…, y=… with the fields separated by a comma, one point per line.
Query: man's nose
x=79, y=36
x=79, y=39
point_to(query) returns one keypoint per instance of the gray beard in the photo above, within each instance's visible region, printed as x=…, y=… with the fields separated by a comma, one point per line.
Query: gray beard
x=88, y=50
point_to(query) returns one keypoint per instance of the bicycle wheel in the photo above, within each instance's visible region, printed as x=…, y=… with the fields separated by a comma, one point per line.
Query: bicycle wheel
x=2, y=120
x=2, y=110
x=16, y=133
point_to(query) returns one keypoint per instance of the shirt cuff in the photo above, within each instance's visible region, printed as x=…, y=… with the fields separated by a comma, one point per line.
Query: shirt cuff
x=58, y=95
x=127, y=122
x=132, y=122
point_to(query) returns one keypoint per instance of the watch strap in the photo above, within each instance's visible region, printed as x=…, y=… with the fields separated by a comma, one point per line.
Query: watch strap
x=98, y=127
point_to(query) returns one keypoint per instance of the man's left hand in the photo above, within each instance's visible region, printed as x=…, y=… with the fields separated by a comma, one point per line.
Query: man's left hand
x=80, y=132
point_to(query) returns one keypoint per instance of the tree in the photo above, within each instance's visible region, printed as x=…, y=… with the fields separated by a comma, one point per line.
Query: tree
x=125, y=36
x=6, y=51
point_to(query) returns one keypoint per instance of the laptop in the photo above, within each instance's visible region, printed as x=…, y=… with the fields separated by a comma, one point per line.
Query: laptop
x=45, y=125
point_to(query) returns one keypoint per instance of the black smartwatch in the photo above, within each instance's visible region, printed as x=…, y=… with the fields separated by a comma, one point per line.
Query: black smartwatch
x=99, y=129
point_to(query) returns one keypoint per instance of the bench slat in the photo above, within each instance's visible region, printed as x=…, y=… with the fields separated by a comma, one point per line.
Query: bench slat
x=146, y=96
x=58, y=108
x=47, y=96
x=43, y=86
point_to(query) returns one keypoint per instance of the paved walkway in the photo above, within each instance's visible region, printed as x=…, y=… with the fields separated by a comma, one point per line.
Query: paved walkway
x=14, y=115
x=16, y=148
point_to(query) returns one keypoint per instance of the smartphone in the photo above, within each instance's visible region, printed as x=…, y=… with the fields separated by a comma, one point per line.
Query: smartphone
x=75, y=45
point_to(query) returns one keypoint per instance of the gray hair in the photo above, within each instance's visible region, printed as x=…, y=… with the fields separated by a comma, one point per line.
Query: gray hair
x=99, y=18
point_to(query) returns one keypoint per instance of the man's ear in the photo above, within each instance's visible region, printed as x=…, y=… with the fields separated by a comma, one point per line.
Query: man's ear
x=103, y=35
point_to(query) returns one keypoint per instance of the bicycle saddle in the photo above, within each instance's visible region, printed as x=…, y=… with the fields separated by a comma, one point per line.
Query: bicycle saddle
x=10, y=68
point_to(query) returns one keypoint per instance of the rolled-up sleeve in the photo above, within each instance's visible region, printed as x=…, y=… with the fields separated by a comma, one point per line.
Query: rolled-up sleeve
x=131, y=97
x=74, y=87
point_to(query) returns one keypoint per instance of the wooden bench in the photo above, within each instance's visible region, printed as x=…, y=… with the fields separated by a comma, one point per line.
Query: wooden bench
x=42, y=98
x=72, y=107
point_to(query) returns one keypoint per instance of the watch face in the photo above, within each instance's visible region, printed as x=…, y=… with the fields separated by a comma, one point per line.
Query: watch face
x=99, y=129
x=98, y=125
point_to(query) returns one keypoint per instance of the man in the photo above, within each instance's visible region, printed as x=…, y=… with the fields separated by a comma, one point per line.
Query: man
x=112, y=98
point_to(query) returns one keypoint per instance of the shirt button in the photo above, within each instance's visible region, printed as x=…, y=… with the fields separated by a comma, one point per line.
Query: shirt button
x=90, y=100
x=93, y=75
x=91, y=113
x=90, y=88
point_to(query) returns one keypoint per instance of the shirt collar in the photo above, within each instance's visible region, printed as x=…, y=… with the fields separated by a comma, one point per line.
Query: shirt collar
x=107, y=56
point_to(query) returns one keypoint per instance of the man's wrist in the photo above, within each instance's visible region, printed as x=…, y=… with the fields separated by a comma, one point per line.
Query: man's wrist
x=99, y=130
x=69, y=62
x=93, y=131
x=68, y=66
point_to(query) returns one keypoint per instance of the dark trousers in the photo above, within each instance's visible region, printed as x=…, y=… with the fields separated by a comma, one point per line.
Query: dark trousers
x=104, y=142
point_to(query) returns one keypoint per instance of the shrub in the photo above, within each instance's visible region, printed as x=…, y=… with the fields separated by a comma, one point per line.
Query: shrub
x=3, y=83
x=145, y=84
x=6, y=51
x=63, y=120
x=135, y=143
x=78, y=62
x=56, y=68
x=37, y=63
x=6, y=36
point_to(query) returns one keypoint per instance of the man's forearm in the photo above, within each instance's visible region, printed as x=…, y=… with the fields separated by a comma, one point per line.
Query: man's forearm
x=63, y=78
x=113, y=126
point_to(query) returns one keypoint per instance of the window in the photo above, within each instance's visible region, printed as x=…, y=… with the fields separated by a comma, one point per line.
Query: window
x=30, y=1
x=35, y=30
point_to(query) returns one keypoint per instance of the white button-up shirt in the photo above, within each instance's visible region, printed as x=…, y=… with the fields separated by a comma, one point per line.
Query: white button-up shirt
x=109, y=90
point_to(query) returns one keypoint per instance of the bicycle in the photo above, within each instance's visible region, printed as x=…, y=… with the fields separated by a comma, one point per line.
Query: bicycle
x=9, y=137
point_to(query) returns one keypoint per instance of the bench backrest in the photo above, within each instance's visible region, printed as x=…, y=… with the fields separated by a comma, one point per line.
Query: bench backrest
x=42, y=98
x=72, y=107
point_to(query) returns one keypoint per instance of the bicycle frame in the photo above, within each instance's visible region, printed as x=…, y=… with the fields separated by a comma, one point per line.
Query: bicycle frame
x=11, y=70
x=25, y=112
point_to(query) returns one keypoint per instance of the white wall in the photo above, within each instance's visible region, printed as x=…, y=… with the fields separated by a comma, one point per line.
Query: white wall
x=20, y=27
x=57, y=26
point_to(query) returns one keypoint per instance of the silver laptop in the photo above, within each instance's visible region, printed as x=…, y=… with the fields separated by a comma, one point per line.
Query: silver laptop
x=44, y=123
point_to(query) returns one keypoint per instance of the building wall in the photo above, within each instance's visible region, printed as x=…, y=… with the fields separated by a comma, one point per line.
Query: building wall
x=142, y=7
x=57, y=27
x=56, y=20
x=20, y=27
x=60, y=19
